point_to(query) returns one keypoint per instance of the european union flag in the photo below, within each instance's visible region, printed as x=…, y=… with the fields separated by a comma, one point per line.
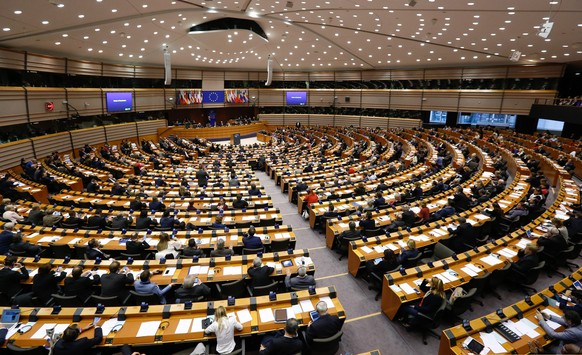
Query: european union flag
x=212, y=97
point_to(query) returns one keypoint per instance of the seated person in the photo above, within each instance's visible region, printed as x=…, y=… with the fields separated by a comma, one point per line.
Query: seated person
x=330, y=211
x=136, y=246
x=51, y=219
x=380, y=200
x=80, y=283
x=113, y=283
x=156, y=205
x=260, y=274
x=409, y=253
x=310, y=198
x=360, y=189
x=144, y=285
x=368, y=223
x=20, y=246
x=388, y=263
x=69, y=344
x=286, y=344
x=519, y=210
x=301, y=281
x=572, y=334
x=121, y=221
x=369, y=206
x=462, y=237
x=168, y=246
x=239, y=203
x=408, y=217
x=35, y=215
x=430, y=303
x=527, y=259
x=46, y=282
x=218, y=223
x=555, y=239
x=423, y=215
x=136, y=204
x=97, y=220
x=350, y=234
x=183, y=192
x=221, y=205
x=191, y=289
x=251, y=241
x=221, y=250
x=144, y=222
x=253, y=191
x=192, y=249
x=93, y=252
x=11, y=215
x=325, y=326
x=10, y=279
x=444, y=212
x=169, y=222
x=224, y=326
x=74, y=220
x=396, y=224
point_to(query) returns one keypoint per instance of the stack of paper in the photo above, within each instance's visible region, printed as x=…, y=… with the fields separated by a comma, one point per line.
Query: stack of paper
x=244, y=316
x=406, y=288
x=491, y=260
x=366, y=249
x=148, y=329
x=266, y=315
x=306, y=305
x=327, y=301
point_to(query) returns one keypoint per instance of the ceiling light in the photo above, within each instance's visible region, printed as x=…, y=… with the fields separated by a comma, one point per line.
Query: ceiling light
x=6, y=29
x=18, y=12
x=81, y=16
x=45, y=22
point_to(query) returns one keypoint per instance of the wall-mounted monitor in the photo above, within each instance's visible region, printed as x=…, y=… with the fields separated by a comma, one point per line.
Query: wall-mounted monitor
x=438, y=117
x=553, y=126
x=487, y=119
x=213, y=97
x=296, y=98
x=119, y=101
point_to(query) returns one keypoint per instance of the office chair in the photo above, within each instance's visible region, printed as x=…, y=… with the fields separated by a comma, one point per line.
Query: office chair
x=573, y=255
x=375, y=282
x=497, y=277
x=263, y=290
x=246, y=251
x=325, y=346
x=65, y=301
x=344, y=246
x=239, y=225
x=59, y=251
x=235, y=289
x=148, y=298
x=373, y=232
x=17, y=350
x=429, y=323
x=111, y=301
x=240, y=351
x=525, y=280
x=480, y=283
x=412, y=262
x=279, y=244
x=553, y=262
x=460, y=305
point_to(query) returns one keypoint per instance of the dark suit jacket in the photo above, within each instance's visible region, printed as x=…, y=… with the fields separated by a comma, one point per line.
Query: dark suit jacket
x=121, y=223
x=10, y=280
x=144, y=223
x=97, y=221
x=185, y=294
x=44, y=286
x=114, y=285
x=81, y=287
x=74, y=221
x=429, y=304
x=93, y=254
x=368, y=224
x=252, y=242
x=525, y=262
x=462, y=201
x=261, y=276
x=283, y=346
x=136, y=247
x=35, y=217
x=78, y=346
x=325, y=327
x=465, y=234
x=221, y=252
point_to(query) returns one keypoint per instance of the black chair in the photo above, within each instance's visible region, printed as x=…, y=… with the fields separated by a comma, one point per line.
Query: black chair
x=148, y=298
x=480, y=283
x=497, y=278
x=326, y=346
x=235, y=289
x=323, y=221
x=111, y=301
x=246, y=251
x=461, y=304
x=344, y=246
x=375, y=282
x=373, y=232
x=65, y=301
x=440, y=252
x=429, y=323
x=66, y=225
x=553, y=262
x=60, y=251
x=573, y=255
x=17, y=350
x=124, y=256
x=91, y=227
x=267, y=222
x=240, y=351
x=17, y=253
x=79, y=252
x=525, y=280
x=263, y=290
x=412, y=262
x=279, y=244
x=240, y=225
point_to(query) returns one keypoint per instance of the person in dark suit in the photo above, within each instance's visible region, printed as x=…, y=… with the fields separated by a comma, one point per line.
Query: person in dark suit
x=417, y=191
x=69, y=344
x=527, y=259
x=156, y=205
x=74, y=220
x=408, y=216
x=464, y=234
x=6, y=237
x=202, y=177
x=325, y=326
x=121, y=221
x=35, y=215
x=351, y=233
x=218, y=223
x=80, y=283
x=261, y=275
x=136, y=246
x=190, y=290
x=253, y=191
x=136, y=204
x=113, y=284
x=380, y=200
x=430, y=303
x=118, y=190
x=97, y=220
x=382, y=186
x=168, y=221
x=462, y=202
x=46, y=282
x=19, y=245
x=239, y=203
x=92, y=186
x=288, y=344
x=301, y=281
x=368, y=223
x=221, y=250
x=192, y=249
x=144, y=222
x=93, y=251
x=10, y=279
x=251, y=241
x=409, y=253
x=388, y=262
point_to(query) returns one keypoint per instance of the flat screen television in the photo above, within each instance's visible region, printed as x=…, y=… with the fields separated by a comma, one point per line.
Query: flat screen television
x=296, y=98
x=213, y=97
x=119, y=101
x=438, y=117
x=553, y=126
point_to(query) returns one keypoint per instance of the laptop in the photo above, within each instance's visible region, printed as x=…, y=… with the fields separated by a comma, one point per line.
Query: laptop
x=10, y=317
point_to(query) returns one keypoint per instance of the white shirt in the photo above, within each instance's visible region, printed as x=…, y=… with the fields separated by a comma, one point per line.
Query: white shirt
x=12, y=216
x=225, y=336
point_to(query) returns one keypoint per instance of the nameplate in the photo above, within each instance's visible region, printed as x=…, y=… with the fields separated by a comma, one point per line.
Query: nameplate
x=445, y=264
x=418, y=272
x=87, y=234
x=121, y=313
x=33, y=315
x=166, y=312
x=179, y=264
x=253, y=303
x=63, y=232
x=77, y=315
x=452, y=339
x=519, y=312
x=467, y=256
x=294, y=299
x=390, y=280
x=41, y=231
x=305, y=252
x=332, y=292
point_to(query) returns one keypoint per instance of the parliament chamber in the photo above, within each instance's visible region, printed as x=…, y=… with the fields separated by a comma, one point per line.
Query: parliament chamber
x=403, y=177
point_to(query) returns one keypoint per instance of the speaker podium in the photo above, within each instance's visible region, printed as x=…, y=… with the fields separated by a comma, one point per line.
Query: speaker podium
x=235, y=139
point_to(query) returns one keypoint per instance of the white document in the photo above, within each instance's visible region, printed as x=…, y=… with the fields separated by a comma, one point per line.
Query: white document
x=444, y=279
x=244, y=316
x=234, y=237
x=469, y=271
x=49, y=239
x=111, y=324
x=74, y=241
x=232, y=270
x=297, y=309
x=490, y=341
x=507, y=253
x=197, y=325
x=32, y=235
x=194, y=270
x=406, y=288
x=327, y=301
x=183, y=326
x=524, y=326
x=266, y=315
x=306, y=306
x=491, y=260
x=474, y=268
x=41, y=332
x=169, y=271
x=395, y=288
x=366, y=249
x=148, y=329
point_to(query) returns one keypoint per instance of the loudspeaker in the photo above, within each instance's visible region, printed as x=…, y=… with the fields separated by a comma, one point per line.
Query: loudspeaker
x=546, y=29
x=515, y=56
x=347, y=99
x=269, y=71
x=167, y=68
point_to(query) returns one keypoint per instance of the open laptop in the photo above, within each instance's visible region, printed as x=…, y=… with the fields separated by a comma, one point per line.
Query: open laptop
x=10, y=317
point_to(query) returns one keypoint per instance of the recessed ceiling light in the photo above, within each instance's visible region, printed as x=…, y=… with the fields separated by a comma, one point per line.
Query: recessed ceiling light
x=17, y=12
x=60, y=6
x=90, y=49
x=65, y=35
x=6, y=29
x=45, y=22
x=57, y=43
x=81, y=16
x=113, y=10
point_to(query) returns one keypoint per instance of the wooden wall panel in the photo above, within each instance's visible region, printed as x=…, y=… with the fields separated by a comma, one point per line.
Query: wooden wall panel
x=353, y=94
x=376, y=75
x=541, y=71
x=81, y=67
x=296, y=76
x=321, y=120
x=118, y=70
x=375, y=99
x=404, y=123
x=485, y=73
x=212, y=80
x=477, y=101
x=87, y=101
x=407, y=74
x=12, y=153
x=322, y=98
x=120, y=131
x=374, y=122
x=236, y=75
x=440, y=100
x=443, y=74
x=348, y=75
x=89, y=136
x=150, y=99
x=10, y=59
x=43, y=63
x=520, y=102
x=13, y=104
x=45, y=145
x=268, y=97
x=150, y=72
x=293, y=119
x=405, y=99
x=37, y=97
x=322, y=76
x=145, y=128
x=273, y=119
x=188, y=74
x=347, y=121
